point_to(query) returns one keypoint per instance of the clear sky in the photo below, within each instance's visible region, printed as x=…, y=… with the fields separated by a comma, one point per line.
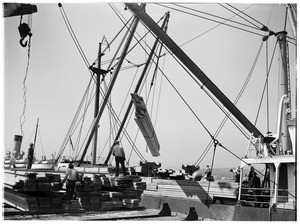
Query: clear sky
x=57, y=78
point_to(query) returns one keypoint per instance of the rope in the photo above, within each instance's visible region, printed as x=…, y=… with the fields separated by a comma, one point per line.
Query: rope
x=265, y=85
x=246, y=15
x=23, y=116
x=239, y=15
x=255, y=27
x=212, y=20
x=235, y=102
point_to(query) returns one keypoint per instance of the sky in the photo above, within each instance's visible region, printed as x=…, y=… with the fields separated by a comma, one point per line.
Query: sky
x=58, y=77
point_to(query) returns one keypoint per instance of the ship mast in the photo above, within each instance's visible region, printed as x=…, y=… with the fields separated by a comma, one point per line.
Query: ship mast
x=107, y=95
x=98, y=76
x=284, y=91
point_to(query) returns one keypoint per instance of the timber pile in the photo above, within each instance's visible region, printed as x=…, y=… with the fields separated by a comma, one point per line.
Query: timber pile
x=188, y=189
x=32, y=182
x=32, y=191
x=34, y=201
x=110, y=193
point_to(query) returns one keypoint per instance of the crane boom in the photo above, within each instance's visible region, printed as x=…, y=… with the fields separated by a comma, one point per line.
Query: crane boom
x=198, y=73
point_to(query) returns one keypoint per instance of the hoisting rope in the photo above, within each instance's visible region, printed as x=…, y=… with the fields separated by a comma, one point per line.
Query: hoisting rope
x=23, y=116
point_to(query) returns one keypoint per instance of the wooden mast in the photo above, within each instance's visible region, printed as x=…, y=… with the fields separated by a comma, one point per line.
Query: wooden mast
x=98, y=76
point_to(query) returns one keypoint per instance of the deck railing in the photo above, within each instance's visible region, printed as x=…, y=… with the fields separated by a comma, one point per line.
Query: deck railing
x=261, y=197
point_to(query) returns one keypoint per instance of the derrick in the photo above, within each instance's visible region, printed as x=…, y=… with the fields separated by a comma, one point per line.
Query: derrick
x=198, y=73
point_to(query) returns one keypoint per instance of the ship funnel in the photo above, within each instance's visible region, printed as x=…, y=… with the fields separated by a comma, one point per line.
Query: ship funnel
x=18, y=142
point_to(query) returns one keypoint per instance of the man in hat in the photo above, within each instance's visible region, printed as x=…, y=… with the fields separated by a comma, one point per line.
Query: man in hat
x=71, y=177
x=119, y=154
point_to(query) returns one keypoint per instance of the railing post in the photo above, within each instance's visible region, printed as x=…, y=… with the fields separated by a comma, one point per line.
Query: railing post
x=277, y=166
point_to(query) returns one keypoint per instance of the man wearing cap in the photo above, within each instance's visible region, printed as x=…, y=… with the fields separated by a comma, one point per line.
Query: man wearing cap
x=119, y=154
x=72, y=176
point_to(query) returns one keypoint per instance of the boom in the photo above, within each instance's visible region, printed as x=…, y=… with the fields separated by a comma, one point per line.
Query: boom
x=198, y=73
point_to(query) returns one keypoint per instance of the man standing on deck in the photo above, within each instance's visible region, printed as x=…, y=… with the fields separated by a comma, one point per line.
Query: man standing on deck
x=255, y=184
x=30, y=156
x=208, y=172
x=72, y=176
x=119, y=154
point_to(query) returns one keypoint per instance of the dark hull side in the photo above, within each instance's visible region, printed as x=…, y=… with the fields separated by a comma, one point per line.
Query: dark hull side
x=219, y=211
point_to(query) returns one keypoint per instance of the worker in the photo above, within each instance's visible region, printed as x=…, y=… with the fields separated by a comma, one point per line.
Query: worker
x=250, y=175
x=207, y=172
x=237, y=174
x=255, y=184
x=30, y=156
x=71, y=177
x=119, y=154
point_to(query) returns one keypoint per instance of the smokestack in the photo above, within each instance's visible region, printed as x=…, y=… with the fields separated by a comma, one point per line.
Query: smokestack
x=17, y=148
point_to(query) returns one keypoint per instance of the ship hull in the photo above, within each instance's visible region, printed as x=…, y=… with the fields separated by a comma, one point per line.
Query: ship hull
x=219, y=211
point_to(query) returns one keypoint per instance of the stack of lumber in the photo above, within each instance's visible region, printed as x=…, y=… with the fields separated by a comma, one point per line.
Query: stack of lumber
x=20, y=200
x=188, y=189
x=124, y=182
x=110, y=205
x=29, y=191
x=131, y=203
x=110, y=196
x=139, y=186
x=28, y=182
x=102, y=180
x=33, y=201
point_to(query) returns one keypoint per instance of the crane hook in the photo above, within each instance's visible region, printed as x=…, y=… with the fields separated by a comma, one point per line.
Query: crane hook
x=24, y=31
x=21, y=42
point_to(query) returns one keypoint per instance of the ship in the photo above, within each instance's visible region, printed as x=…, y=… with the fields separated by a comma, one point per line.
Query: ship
x=274, y=151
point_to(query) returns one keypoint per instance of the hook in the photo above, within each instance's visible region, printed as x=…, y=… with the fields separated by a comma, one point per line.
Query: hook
x=21, y=42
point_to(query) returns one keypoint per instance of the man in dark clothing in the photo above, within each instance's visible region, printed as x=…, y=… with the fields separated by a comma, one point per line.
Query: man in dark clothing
x=30, y=156
x=119, y=154
x=255, y=183
x=250, y=175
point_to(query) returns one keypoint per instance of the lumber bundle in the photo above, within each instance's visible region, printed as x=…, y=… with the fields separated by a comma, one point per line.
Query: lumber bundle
x=32, y=182
x=131, y=203
x=30, y=191
x=143, y=120
x=34, y=201
x=187, y=189
x=121, y=192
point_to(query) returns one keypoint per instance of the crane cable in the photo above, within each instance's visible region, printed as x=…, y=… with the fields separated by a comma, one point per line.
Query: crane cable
x=23, y=116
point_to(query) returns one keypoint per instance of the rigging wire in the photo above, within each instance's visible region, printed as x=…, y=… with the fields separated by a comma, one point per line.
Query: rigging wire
x=40, y=137
x=239, y=28
x=265, y=85
x=246, y=15
x=202, y=156
x=239, y=15
x=219, y=17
